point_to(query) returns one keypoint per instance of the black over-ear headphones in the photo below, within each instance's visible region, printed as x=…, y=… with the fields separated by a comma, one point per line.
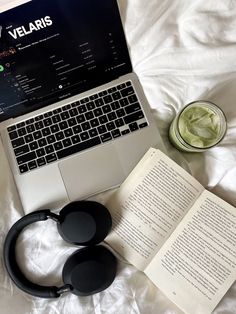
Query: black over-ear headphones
x=88, y=270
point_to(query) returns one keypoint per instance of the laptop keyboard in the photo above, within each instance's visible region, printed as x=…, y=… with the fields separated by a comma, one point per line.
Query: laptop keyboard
x=77, y=126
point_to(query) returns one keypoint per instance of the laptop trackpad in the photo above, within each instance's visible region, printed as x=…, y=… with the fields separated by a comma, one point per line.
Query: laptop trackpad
x=91, y=172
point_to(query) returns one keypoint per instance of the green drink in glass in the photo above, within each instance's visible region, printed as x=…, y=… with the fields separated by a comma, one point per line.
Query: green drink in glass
x=199, y=126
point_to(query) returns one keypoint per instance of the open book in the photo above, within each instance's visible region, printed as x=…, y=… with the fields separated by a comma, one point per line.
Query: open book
x=182, y=236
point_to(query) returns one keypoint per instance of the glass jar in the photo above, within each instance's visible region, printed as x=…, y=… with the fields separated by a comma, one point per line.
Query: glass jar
x=199, y=126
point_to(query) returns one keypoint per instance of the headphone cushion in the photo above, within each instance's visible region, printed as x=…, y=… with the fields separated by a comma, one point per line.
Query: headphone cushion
x=90, y=270
x=84, y=223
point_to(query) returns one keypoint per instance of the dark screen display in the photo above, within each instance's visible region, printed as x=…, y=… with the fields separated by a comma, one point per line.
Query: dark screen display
x=53, y=49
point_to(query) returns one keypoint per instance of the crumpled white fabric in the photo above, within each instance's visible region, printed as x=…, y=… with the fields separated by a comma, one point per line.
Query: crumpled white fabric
x=182, y=51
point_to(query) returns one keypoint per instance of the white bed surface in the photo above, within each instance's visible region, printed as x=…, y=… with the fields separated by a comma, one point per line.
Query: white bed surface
x=182, y=51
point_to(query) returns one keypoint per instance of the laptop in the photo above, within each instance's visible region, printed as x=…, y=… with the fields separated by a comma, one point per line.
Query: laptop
x=74, y=120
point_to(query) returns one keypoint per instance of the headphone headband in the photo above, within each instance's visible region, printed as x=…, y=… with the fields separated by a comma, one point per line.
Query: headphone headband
x=10, y=257
x=86, y=271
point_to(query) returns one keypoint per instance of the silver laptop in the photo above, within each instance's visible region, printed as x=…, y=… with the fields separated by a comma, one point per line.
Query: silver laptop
x=74, y=120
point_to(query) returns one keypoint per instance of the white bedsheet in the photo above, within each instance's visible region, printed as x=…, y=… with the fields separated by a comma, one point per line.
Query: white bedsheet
x=182, y=50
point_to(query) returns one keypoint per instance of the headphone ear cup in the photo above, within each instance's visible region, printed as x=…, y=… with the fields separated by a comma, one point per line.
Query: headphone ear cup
x=89, y=270
x=84, y=222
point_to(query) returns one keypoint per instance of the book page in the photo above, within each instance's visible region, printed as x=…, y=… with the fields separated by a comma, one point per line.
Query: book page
x=148, y=206
x=197, y=265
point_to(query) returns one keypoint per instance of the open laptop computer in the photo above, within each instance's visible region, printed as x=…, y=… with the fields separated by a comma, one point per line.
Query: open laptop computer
x=74, y=120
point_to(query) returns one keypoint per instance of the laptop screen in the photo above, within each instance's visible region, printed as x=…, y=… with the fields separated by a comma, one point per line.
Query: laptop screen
x=53, y=49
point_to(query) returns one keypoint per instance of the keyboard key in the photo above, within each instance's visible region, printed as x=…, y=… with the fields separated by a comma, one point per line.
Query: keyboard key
x=121, y=86
x=133, y=126
x=90, y=105
x=23, y=168
x=63, y=125
x=106, y=137
x=18, y=142
x=46, y=132
x=77, y=129
x=38, y=125
x=127, y=91
x=26, y=158
x=40, y=117
x=116, y=96
x=84, y=136
x=106, y=108
x=111, y=116
x=40, y=152
x=49, y=149
x=30, y=121
x=66, y=107
x=51, y=158
x=93, y=132
x=33, y=145
x=112, y=90
x=58, y=145
x=94, y=123
x=11, y=128
x=22, y=132
x=142, y=125
x=80, y=118
x=124, y=102
x=102, y=129
x=78, y=147
x=103, y=93
x=13, y=135
x=21, y=150
x=30, y=128
x=127, y=131
x=107, y=99
x=42, y=142
x=20, y=125
x=64, y=115
x=84, y=100
x=73, y=112
x=85, y=126
x=110, y=126
x=59, y=136
x=32, y=165
x=41, y=162
x=51, y=139
x=133, y=117
x=115, y=105
x=56, y=111
x=29, y=138
x=116, y=133
x=120, y=113
x=75, y=139
x=68, y=132
x=56, y=118
x=82, y=109
x=89, y=115
x=103, y=119
x=72, y=122
x=99, y=102
x=47, y=122
x=95, y=96
x=132, y=108
x=119, y=122
x=54, y=128
x=98, y=112
x=37, y=135
x=132, y=99
x=66, y=142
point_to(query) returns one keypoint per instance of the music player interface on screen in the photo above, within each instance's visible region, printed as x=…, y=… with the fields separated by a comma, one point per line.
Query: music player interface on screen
x=56, y=49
